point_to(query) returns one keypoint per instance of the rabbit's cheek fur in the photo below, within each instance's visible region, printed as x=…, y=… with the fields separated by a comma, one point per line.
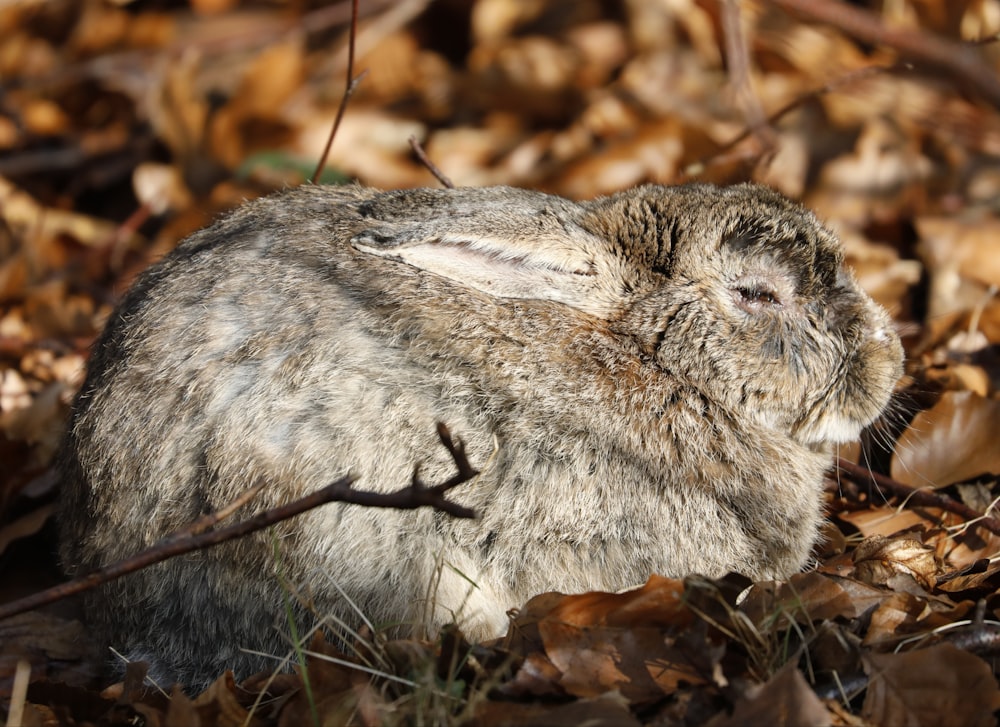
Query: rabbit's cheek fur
x=859, y=389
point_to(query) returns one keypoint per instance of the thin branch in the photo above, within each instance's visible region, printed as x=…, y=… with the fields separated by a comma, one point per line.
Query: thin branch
x=913, y=496
x=431, y=166
x=351, y=84
x=738, y=61
x=457, y=451
x=187, y=540
x=960, y=59
x=205, y=522
x=720, y=156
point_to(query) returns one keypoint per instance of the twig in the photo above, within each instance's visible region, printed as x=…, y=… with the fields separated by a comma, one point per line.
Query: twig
x=960, y=59
x=719, y=156
x=914, y=496
x=431, y=166
x=981, y=639
x=738, y=61
x=352, y=83
x=18, y=693
x=211, y=519
x=185, y=541
x=465, y=470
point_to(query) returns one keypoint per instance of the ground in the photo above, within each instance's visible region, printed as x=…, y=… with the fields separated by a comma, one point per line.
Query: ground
x=126, y=125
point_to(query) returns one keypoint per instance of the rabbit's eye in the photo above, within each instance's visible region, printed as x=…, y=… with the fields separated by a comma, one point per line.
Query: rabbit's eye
x=756, y=297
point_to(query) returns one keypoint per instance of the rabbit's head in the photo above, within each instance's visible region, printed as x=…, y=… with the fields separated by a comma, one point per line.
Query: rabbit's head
x=737, y=292
x=754, y=308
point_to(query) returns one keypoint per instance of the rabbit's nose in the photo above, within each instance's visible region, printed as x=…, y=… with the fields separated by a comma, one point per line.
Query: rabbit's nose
x=882, y=334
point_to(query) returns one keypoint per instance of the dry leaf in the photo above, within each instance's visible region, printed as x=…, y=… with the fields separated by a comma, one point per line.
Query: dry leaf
x=941, y=686
x=963, y=260
x=625, y=641
x=884, y=158
x=218, y=705
x=785, y=700
x=659, y=603
x=57, y=648
x=24, y=213
x=641, y=663
x=805, y=597
x=878, y=558
x=955, y=440
x=160, y=187
x=607, y=710
x=892, y=612
x=885, y=520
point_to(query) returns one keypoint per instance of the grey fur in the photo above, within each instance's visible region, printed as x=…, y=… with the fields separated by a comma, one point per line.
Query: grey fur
x=651, y=382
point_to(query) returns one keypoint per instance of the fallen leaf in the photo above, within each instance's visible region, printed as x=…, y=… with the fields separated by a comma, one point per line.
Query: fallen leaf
x=885, y=520
x=878, y=558
x=57, y=648
x=615, y=641
x=805, y=597
x=607, y=710
x=962, y=257
x=954, y=440
x=641, y=663
x=785, y=700
x=940, y=686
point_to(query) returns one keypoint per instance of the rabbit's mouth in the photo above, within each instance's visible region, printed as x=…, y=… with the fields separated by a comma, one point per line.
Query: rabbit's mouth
x=829, y=431
x=824, y=426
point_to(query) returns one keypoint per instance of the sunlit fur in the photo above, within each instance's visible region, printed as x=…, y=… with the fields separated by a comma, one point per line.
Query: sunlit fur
x=651, y=382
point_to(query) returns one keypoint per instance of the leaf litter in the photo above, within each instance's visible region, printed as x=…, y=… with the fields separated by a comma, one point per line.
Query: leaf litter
x=124, y=126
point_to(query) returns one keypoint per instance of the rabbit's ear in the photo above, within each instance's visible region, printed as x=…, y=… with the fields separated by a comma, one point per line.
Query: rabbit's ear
x=563, y=267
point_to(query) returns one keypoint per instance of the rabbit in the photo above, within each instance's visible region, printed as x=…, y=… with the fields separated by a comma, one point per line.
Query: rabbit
x=649, y=382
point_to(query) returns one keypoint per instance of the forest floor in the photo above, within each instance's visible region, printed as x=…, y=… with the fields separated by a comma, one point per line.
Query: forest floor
x=126, y=125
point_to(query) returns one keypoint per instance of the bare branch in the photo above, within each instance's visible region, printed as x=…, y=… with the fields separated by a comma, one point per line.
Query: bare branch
x=722, y=155
x=191, y=538
x=738, y=61
x=351, y=84
x=912, y=496
x=962, y=60
x=211, y=519
x=431, y=166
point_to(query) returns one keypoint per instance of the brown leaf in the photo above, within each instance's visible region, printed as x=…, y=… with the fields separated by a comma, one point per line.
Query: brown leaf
x=181, y=712
x=979, y=574
x=879, y=269
x=954, y=440
x=805, y=597
x=58, y=648
x=660, y=602
x=941, y=686
x=23, y=212
x=878, y=558
x=963, y=259
x=641, y=663
x=884, y=158
x=337, y=691
x=786, y=699
x=218, y=705
x=600, y=642
x=885, y=520
x=536, y=677
x=607, y=710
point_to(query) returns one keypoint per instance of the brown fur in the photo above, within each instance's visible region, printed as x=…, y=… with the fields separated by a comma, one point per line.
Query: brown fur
x=651, y=382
